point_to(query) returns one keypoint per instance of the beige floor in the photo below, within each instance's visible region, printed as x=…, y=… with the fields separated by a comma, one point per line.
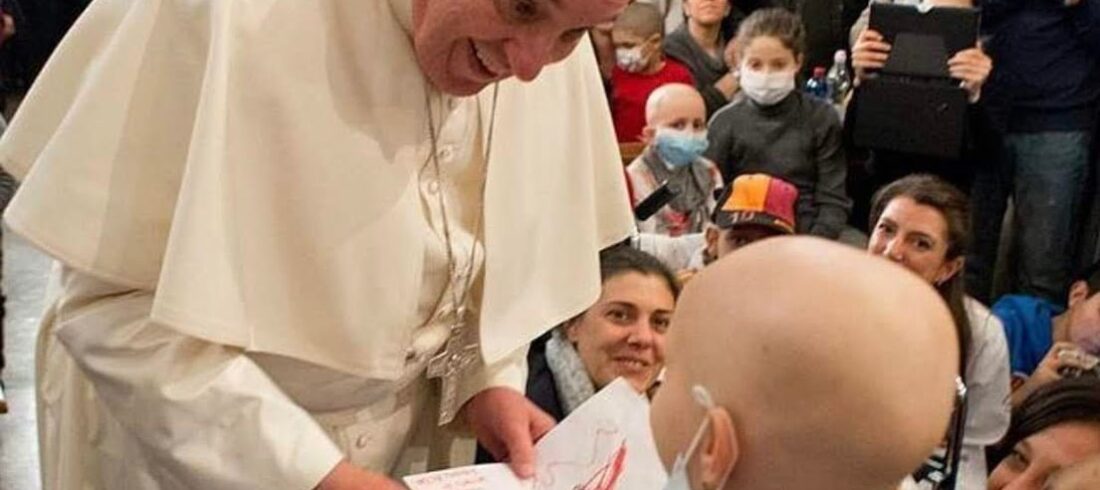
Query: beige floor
x=24, y=281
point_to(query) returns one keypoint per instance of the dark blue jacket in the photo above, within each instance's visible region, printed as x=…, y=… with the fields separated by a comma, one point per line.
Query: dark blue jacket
x=541, y=389
x=1046, y=73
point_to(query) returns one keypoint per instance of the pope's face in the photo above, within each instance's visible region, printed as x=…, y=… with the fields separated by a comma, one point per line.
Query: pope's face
x=464, y=45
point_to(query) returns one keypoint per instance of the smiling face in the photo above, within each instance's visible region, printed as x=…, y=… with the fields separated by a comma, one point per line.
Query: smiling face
x=623, y=334
x=915, y=236
x=464, y=45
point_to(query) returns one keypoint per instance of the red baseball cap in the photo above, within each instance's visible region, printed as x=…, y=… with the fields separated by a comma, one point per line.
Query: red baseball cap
x=758, y=199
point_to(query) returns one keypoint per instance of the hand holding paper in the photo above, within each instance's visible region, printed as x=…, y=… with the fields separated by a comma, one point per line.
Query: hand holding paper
x=606, y=444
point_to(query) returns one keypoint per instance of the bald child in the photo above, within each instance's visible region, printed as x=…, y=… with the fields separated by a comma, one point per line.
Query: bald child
x=826, y=369
x=676, y=137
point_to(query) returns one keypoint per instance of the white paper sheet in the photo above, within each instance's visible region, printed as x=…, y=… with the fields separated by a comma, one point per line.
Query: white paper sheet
x=605, y=444
x=495, y=476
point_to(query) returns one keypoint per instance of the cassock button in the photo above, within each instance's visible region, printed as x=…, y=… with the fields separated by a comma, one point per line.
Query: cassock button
x=362, y=441
x=410, y=354
x=447, y=153
x=433, y=187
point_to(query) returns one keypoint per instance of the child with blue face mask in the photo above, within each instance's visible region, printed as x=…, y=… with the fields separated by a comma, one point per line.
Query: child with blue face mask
x=774, y=129
x=676, y=137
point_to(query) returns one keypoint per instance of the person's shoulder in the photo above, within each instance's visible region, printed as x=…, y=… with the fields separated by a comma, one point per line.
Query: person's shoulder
x=1019, y=312
x=677, y=43
x=819, y=109
x=707, y=164
x=1014, y=304
x=636, y=166
x=618, y=75
x=640, y=177
x=731, y=111
x=975, y=308
x=675, y=71
x=982, y=319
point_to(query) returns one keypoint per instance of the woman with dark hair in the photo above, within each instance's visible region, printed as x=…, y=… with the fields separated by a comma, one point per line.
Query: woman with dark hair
x=922, y=223
x=700, y=45
x=1057, y=426
x=621, y=335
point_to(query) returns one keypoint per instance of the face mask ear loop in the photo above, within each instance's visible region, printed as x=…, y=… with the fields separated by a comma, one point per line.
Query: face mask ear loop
x=703, y=397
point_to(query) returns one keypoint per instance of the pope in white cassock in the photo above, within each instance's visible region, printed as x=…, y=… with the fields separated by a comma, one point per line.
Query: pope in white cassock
x=297, y=238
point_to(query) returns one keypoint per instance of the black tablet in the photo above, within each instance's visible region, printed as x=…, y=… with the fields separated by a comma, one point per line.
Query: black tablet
x=923, y=39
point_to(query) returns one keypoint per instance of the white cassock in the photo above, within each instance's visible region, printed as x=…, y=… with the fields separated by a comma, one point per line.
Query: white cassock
x=254, y=269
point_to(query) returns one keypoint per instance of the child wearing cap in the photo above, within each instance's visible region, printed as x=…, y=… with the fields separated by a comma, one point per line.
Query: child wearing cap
x=676, y=137
x=640, y=68
x=754, y=207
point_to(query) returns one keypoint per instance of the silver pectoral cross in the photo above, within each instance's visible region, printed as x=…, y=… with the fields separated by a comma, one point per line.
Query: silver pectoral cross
x=459, y=354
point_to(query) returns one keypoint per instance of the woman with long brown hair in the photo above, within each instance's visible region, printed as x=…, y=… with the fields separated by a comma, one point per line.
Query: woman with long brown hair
x=923, y=223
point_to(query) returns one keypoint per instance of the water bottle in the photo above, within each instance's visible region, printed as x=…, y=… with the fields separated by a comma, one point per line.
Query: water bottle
x=818, y=86
x=840, y=81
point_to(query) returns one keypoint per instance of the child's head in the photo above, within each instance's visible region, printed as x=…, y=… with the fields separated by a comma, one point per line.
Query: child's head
x=637, y=37
x=675, y=106
x=770, y=45
x=881, y=383
x=676, y=124
x=1084, y=310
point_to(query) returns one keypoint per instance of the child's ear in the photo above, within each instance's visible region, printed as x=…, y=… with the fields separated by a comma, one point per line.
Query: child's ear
x=720, y=450
x=1078, y=292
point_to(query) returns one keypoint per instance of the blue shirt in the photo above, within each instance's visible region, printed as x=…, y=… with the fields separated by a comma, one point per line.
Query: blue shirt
x=1027, y=321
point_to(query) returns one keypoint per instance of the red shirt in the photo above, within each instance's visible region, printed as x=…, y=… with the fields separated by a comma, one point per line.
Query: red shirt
x=629, y=92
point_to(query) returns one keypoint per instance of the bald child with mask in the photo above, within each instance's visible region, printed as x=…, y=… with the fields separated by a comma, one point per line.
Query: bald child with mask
x=811, y=381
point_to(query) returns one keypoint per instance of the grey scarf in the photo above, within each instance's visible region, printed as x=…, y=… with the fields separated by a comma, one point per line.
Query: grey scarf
x=692, y=185
x=571, y=379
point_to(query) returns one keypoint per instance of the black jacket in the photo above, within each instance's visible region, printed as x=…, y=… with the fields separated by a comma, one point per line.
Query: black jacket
x=541, y=389
x=39, y=27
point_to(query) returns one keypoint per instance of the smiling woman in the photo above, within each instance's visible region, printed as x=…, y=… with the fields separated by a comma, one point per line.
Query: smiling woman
x=621, y=335
x=464, y=45
x=923, y=224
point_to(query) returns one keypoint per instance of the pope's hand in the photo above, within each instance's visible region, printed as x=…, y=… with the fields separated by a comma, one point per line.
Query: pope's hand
x=507, y=424
x=346, y=476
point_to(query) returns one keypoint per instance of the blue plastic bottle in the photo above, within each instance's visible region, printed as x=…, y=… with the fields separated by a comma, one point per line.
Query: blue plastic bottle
x=818, y=86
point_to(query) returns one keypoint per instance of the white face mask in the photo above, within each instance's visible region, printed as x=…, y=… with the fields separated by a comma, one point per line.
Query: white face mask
x=630, y=59
x=678, y=477
x=766, y=88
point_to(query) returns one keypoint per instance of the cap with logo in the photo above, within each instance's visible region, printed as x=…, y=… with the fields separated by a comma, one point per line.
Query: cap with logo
x=757, y=199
